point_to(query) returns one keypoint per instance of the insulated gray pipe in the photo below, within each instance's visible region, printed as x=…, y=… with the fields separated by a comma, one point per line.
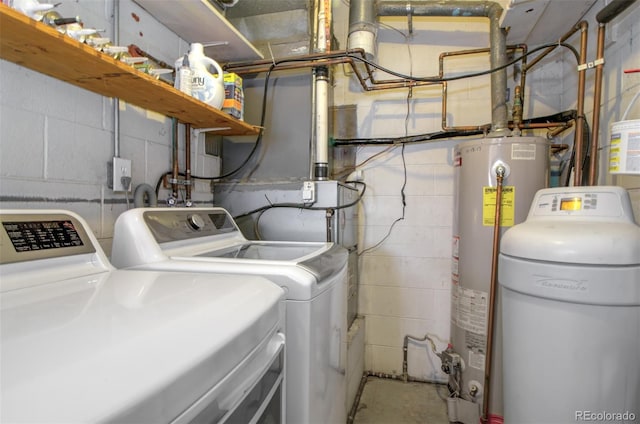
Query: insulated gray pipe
x=361, y=16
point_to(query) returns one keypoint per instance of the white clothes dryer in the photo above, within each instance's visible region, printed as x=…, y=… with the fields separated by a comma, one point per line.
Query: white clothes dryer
x=84, y=342
x=313, y=274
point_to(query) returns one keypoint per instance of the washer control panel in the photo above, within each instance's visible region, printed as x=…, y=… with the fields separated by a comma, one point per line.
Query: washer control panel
x=183, y=224
x=26, y=237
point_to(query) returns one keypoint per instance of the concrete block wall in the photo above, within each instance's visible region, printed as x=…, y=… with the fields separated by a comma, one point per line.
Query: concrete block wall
x=57, y=139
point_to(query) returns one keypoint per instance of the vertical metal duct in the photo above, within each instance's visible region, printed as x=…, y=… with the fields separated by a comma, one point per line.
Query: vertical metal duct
x=363, y=26
x=497, y=41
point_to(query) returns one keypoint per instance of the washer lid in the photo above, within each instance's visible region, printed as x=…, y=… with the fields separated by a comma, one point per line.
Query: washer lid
x=586, y=225
x=126, y=344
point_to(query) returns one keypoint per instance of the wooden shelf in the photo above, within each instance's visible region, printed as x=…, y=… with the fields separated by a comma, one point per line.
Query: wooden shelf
x=41, y=48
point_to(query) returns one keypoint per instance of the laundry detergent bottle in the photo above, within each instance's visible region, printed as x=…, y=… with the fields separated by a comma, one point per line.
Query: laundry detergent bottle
x=205, y=86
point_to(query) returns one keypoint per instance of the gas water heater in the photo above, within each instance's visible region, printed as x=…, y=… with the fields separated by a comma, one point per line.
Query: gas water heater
x=524, y=162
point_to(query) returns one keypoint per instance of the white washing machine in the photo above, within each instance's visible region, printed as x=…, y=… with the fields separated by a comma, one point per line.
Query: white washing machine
x=83, y=342
x=313, y=274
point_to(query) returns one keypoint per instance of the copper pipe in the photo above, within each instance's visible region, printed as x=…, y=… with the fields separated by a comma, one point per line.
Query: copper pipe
x=500, y=172
x=554, y=132
x=517, y=110
x=444, y=106
x=559, y=147
x=562, y=39
x=174, y=160
x=534, y=125
x=578, y=135
x=187, y=163
x=597, y=96
x=523, y=70
x=373, y=85
x=441, y=58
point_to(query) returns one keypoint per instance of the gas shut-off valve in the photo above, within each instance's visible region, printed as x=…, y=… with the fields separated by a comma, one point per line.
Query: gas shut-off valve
x=451, y=362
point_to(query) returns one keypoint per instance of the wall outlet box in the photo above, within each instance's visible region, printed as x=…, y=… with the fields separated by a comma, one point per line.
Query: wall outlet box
x=121, y=175
x=308, y=192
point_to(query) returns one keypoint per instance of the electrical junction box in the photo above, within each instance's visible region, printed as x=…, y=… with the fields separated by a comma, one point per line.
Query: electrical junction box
x=308, y=192
x=121, y=175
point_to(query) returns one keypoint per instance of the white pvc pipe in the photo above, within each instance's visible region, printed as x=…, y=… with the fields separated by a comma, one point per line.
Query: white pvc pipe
x=322, y=120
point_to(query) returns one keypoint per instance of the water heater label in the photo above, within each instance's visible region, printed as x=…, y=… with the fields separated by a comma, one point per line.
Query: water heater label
x=476, y=360
x=471, y=310
x=507, y=209
x=523, y=151
x=476, y=344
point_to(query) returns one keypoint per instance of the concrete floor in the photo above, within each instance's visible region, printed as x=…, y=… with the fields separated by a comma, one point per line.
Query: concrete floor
x=386, y=401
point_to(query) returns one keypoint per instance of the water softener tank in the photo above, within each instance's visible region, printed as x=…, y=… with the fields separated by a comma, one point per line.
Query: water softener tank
x=570, y=282
x=526, y=160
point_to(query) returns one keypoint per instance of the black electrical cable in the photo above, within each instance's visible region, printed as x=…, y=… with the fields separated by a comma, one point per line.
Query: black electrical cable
x=471, y=75
x=565, y=116
x=584, y=160
x=404, y=207
x=306, y=206
x=255, y=145
x=381, y=68
x=260, y=134
x=438, y=135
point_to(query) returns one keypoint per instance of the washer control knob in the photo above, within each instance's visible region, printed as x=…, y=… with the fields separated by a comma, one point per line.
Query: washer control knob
x=196, y=222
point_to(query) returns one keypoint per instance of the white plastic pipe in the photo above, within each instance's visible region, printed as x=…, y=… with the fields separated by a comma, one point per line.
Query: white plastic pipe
x=322, y=124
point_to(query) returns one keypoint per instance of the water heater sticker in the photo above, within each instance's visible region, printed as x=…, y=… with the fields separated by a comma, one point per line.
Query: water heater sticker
x=476, y=344
x=476, y=360
x=472, y=310
x=523, y=151
x=507, y=209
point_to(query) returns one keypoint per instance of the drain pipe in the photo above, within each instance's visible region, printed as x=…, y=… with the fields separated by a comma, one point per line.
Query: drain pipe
x=321, y=102
x=606, y=15
x=321, y=165
x=497, y=42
